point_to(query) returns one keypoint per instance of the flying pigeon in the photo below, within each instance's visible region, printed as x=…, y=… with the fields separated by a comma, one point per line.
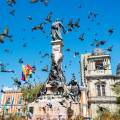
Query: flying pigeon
x=82, y=36
x=38, y=27
x=21, y=61
x=48, y=18
x=110, y=48
x=76, y=24
x=45, y=69
x=11, y=2
x=4, y=34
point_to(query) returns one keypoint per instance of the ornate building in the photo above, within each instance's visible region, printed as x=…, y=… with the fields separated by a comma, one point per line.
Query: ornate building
x=97, y=80
x=11, y=101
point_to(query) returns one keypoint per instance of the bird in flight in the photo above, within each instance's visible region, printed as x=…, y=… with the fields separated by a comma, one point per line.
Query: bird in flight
x=48, y=18
x=4, y=34
x=38, y=27
x=109, y=48
x=34, y=1
x=11, y=2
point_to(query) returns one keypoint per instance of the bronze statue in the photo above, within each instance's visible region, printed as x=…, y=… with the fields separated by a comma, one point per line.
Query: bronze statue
x=56, y=30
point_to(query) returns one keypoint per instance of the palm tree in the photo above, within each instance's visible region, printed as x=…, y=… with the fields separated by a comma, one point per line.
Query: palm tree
x=16, y=82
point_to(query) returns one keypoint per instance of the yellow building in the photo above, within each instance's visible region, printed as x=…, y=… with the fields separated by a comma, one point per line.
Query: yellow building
x=11, y=101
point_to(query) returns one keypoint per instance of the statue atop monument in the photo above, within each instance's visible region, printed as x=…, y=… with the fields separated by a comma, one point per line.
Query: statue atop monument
x=56, y=30
x=56, y=77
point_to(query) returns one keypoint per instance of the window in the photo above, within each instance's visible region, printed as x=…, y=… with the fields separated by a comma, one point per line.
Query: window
x=20, y=100
x=18, y=110
x=8, y=101
x=6, y=111
x=100, y=89
x=103, y=90
x=31, y=109
x=99, y=64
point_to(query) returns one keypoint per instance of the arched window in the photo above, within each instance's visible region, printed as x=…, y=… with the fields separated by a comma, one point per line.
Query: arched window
x=98, y=90
x=100, y=86
x=103, y=89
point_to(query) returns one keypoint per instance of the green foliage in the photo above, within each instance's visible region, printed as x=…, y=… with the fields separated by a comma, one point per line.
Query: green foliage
x=105, y=114
x=116, y=88
x=31, y=92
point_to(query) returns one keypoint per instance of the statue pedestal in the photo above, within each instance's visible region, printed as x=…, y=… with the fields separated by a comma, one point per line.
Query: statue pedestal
x=49, y=89
x=56, y=42
x=56, y=77
x=57, y=50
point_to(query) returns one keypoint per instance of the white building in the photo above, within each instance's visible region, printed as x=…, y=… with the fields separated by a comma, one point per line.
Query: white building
x=97, y=80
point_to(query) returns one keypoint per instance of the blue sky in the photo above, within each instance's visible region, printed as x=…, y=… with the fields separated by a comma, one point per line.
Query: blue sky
x=20, y=27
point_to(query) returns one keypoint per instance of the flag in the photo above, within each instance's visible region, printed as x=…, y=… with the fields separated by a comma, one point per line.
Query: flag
x=23, y=77
x=23, y=69
x=26, y=72
x=30, y=74
x=29, y=69
x=23, y=73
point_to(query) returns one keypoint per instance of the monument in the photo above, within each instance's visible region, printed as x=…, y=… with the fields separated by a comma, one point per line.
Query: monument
x=57, y=100
x=56, y=77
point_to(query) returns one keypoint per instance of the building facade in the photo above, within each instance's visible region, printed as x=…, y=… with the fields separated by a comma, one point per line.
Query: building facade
x=97, y=81
x=11, y=101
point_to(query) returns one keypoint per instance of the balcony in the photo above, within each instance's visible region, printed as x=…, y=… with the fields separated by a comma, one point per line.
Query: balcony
x=102, y=99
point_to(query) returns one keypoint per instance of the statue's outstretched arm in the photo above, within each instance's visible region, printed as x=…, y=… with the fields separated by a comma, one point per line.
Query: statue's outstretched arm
x=64, y=31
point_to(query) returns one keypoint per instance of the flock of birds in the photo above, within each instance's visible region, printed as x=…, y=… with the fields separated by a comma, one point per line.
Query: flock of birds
x=72, y=25
x=13, y=2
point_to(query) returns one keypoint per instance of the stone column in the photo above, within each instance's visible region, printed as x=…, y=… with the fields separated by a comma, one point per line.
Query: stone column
x=57, y=50
x=84, y=103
